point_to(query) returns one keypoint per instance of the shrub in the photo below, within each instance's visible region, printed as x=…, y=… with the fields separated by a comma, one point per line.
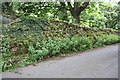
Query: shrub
x=57, y=40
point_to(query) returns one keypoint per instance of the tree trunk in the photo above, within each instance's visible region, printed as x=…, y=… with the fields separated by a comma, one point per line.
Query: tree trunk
x=12, y=13
x=77, y=19
x=76, y=10
x=76, y=13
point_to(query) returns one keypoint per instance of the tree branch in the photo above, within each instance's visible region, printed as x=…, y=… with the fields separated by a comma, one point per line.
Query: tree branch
x=85, y=4
x=75, y=5
x=70, y=6
x=63, y=8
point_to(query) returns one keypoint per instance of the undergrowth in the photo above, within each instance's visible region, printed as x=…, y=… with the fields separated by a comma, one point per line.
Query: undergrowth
x=31, y=48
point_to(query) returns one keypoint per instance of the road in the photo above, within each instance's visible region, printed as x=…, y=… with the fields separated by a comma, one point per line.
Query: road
x=0, y=76
x=96, y=63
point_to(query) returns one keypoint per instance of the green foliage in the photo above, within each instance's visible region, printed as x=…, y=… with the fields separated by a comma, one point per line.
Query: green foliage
x=113, y=17
x=106, y=39
x=54, y=47
x=57, y=38
x=97, y=14
x=28, y=27
x=35, y=38
x=0, y=63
